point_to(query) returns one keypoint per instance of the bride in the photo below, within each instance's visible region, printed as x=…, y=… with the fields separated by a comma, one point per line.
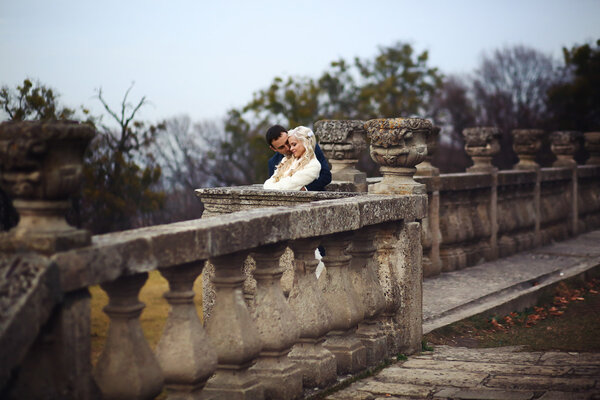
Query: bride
x=300, y=169
x=297, y=171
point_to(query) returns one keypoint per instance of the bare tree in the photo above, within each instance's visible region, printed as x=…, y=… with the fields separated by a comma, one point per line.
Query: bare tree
x=452, y=110
x=510, y=91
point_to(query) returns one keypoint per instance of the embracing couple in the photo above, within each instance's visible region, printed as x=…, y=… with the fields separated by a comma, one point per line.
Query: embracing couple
x=299, y=163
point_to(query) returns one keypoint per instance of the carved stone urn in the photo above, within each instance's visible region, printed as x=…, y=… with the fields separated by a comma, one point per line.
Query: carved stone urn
x=40, y=168
x=564, y=144
x=592, y=145
x=481, y=144
x=341, y=142
x=425, y=168
x=398, y=145
x=526, y=143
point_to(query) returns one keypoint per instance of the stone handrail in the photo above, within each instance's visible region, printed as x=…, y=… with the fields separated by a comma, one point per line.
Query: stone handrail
x=245, y=352
x=478, y=216
x=141, y=250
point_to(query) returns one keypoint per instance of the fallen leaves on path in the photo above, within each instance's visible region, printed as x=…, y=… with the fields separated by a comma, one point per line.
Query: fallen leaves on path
x=564, y=295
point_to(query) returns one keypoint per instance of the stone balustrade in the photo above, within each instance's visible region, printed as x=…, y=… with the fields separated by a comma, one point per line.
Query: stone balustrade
x=270, y=350
x=261, y=339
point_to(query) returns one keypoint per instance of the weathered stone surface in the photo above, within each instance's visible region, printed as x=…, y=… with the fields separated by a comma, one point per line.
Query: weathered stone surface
x=490, y=367
x=184, y=351
x=346, y=311
x=555, y=395
x=425, y=168
x=225, y=200
x=563, y=145
x=233, y=333
x=342, y=142
x=571, y=358
x=540, y=383
x=314, y=318
x=484, y=355
x=431, y=377
x=145, y=249
x=526, y=143
x=592, y=145
x=29, y=290
x=516, y=177
x=386, y=389
x=57, y=366
x=127, y=367
x=481, y=144
x=465, y=181
x=40, y=167
x=408, y=265
x=277, y=327
x=398, y=145
x=555, y=174
x=482, y=394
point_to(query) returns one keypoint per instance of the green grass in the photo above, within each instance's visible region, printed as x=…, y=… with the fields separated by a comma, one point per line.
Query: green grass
x=568, y=320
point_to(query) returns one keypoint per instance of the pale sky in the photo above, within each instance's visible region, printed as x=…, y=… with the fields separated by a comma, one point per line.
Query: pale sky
x=202, y=58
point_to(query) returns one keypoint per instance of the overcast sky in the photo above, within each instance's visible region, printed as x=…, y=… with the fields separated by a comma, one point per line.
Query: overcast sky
x=203, y=57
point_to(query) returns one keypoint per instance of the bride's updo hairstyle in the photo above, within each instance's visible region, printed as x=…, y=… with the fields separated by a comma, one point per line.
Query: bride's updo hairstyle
x=287, y=167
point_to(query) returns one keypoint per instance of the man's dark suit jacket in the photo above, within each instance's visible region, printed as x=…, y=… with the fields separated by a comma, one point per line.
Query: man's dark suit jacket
x=324, y=176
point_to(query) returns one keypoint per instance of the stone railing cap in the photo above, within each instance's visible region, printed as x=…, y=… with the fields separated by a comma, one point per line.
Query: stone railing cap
x=146, y=249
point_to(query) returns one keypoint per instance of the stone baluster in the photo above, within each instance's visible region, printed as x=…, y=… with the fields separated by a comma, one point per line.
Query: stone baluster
x=233, y=333
x=277, y=328
x=398, y=145
x=527, y=143
x=592, y=145
x=349, y=352
x=184, y=352
x=564, y=144
x=342, y=142
x=40, y=169
x=127, y=368
x=425, y=168
x=314, y=318
x=481, y=144
x=366, y=284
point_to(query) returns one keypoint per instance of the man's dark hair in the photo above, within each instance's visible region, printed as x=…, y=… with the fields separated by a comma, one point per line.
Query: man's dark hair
x=274, y=132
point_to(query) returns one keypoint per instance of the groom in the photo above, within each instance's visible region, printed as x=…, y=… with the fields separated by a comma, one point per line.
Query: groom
x=277, y=137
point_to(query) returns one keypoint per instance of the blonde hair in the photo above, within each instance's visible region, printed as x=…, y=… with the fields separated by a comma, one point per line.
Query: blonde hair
x=308, y=139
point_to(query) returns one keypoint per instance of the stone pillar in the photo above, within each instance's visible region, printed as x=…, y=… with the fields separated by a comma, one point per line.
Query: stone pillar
x=564, y=145
x=233, y=333
x=385, y=244
x=184, y=352
x=592, y=145
x=410, y=277
x=481, y=144
x=342, y=142
x=398, y=145
x=41, y=168
x=366, y=284
x=349, y=352
x=314, y=318
x=277, y=328
x=127, y=368
x=527, y=143
x=425, y=168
